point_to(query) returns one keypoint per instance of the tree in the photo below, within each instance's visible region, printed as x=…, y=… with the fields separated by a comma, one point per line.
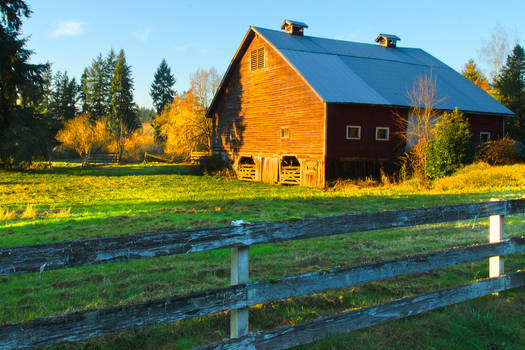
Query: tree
x=511, y=89
x=64, y=96
x=95, y=86
x=449, y=149
x=419, y=124
x=183, y=124
x=145, y=115
x=123, y=116
x=475, y=75
x=162, y=87
x=494, y=50
x=81, y=135
x=21, y=128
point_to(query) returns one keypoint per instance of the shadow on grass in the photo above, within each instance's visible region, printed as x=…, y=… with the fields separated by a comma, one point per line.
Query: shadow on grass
x=129, y=218
x=118, y=170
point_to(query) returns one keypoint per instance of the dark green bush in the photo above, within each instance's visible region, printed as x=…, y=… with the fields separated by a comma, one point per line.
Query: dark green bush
x=213, y=165
x=451, y=146
x=501, y=152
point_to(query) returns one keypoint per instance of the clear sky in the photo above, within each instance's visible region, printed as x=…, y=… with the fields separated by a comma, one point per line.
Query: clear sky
x=201, y=34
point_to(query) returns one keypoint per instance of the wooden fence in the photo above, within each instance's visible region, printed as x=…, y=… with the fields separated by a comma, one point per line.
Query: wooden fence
x=81, y=325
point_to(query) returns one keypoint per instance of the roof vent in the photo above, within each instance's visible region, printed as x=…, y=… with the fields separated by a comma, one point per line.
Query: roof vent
x=387, y=40
x=293, y=27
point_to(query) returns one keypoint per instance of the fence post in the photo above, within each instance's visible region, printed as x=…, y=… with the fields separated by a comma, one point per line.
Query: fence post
x=239, y=274
x=496, y=263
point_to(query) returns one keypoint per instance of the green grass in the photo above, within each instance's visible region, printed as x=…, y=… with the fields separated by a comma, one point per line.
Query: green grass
x=69, y=203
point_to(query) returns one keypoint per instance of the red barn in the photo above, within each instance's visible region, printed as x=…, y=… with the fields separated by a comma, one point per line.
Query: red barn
x=297, y=109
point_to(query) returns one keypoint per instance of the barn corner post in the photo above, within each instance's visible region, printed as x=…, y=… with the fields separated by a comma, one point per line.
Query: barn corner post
x=239, y=274
x=496, y=263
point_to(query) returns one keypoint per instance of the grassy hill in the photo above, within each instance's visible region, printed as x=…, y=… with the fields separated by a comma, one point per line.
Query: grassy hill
x=70, y=202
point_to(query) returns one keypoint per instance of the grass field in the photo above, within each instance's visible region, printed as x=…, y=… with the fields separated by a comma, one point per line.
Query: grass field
x=69, y=203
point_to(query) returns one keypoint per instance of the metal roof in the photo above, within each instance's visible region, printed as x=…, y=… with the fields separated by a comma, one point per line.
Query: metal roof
x=349, y=72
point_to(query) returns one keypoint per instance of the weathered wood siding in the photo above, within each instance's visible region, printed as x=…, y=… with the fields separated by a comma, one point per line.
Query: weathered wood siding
x=254, y=105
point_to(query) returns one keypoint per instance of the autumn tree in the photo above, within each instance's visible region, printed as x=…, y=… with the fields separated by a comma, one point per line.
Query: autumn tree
x=183, y=124
x=511, y=89
x=82, y=135
x=472, y=72
x=161, y=90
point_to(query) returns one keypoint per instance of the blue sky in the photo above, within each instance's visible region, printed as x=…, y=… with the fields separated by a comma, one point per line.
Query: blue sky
x=202, y=34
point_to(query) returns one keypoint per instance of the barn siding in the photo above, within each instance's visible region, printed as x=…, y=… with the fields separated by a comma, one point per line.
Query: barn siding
x=255, y=106
x=368, y=117
x=490, y=123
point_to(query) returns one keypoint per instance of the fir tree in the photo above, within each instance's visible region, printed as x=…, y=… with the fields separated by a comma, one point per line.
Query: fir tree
x=64, y=97
x=475, y=75
x=511, y=89
x=123, y=115
x=162, y=87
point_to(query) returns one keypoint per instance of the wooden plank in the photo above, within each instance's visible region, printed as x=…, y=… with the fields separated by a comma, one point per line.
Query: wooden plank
x=308, y=332
x=496, y=233
x=92, y=323
x=46, y=256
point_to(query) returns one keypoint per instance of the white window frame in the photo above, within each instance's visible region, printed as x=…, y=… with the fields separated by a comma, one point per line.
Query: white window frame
x=484, y=133
x=387, y=133
x=358, y=132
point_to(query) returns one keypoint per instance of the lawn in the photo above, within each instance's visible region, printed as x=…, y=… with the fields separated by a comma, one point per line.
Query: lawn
x=69, y=203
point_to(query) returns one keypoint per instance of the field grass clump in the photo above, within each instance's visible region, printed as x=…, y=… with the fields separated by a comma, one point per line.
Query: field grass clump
x=69, y=202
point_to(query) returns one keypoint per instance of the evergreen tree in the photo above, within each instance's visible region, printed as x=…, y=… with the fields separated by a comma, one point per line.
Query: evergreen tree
x=511, y=89
x=64, y=97
x=95, y=88
x=475, y=75
x=123, y=115
x=162, y=87
x=22, y=130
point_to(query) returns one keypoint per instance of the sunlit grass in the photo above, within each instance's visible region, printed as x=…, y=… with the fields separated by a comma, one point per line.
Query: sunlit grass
x=69, y=203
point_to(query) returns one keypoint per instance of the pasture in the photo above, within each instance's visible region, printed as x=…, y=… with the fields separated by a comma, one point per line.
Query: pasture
x=69, y=203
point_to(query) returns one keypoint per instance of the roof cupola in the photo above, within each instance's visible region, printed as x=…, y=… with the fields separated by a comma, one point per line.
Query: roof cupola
x=293, y=27
x=388, y=40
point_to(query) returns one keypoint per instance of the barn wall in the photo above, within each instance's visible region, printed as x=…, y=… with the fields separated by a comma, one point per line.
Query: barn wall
x=368, y=117
x=479, y=123
x=255, y=106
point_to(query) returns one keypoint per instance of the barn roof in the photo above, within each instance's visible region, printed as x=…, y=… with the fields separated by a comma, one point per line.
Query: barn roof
x=350, y=72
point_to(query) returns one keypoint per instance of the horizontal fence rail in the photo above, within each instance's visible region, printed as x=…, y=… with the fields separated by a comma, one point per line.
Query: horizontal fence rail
x=307, y=332
x=82, y=325
x=237, y=298
x=82, y=252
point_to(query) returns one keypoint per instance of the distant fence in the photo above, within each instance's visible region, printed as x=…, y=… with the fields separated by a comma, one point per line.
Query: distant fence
x=81, y=325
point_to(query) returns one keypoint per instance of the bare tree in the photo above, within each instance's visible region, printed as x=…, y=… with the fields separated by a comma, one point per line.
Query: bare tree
x=420, y=122
x=494, y=50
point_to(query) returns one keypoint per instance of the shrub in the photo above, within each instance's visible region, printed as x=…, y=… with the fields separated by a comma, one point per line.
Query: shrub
x=450, y=147
x=501, y=152
x=214, y=165
x=83, y=136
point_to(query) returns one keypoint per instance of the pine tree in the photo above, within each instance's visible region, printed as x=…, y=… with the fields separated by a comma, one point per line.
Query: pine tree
x=64, y=97
x=123, y=115
x=22, y=130
x=162, y=87
x=511, y=89
x=475, y=75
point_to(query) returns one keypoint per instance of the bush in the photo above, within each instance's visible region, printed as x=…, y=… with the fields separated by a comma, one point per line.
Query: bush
x=214, y=165
x=501, y=152
x=451, y=146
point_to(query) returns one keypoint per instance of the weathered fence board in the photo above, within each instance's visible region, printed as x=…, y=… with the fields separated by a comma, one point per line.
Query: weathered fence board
x=92, y=323
x=38, y=257
x=304, y=333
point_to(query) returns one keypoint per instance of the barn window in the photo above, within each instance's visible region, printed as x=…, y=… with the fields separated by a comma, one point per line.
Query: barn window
x=284, y=133
x=484, y=136
x=353, y=132
x=382, y=133
x=257, y=59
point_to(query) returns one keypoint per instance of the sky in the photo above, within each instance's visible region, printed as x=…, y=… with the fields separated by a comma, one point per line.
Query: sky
x=203, y=34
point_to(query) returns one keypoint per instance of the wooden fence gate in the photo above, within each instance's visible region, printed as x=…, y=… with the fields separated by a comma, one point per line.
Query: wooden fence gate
x=242, y=294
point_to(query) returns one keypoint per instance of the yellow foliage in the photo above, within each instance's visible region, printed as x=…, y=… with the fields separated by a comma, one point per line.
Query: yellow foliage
x=6, y=214
x=29, y=213
x=83, y=136
x=140, y=141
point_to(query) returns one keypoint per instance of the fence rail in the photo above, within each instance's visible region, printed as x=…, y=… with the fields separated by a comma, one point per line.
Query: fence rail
x=83, y=252
x=242, y=294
